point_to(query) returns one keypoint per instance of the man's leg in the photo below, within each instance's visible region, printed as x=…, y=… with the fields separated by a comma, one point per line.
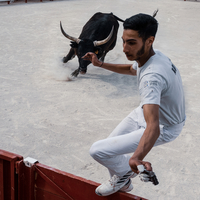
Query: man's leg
x=108, y=150
x=129, y=124
x=112, y=151
x=121, y=182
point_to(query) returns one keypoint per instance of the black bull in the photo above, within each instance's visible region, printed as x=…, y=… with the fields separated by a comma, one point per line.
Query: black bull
x=99, y=36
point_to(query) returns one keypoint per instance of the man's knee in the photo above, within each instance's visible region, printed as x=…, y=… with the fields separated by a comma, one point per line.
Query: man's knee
x=95, y=151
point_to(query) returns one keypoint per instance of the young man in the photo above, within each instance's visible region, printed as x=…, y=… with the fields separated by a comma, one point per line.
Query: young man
x=160, y=116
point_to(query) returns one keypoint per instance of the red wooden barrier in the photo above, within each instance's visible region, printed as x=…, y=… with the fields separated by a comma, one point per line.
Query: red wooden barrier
x=40, y=182
x=8, y=177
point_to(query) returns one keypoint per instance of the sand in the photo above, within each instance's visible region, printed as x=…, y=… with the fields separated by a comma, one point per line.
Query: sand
x=47, y=117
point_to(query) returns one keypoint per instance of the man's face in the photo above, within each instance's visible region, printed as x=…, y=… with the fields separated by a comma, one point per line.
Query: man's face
x=133, y=45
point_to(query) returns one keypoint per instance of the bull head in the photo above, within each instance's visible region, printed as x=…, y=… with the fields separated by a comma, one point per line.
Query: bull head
x=96, y=43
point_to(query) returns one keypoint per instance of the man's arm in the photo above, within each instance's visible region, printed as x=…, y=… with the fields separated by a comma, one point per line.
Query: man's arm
x=118, y=68
x=151, y=134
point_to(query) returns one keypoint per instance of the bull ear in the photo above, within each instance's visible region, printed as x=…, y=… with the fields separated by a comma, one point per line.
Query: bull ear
x=74, y=45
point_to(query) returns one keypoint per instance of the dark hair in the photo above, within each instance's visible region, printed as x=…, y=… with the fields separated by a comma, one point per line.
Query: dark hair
x=146, y=25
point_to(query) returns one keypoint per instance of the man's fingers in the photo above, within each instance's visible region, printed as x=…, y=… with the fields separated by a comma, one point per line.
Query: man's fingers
x=133, y=164
x=86, y=56
x=147, y=165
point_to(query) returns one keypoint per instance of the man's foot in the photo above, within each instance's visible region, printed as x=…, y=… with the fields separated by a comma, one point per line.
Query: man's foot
x=128, y=187
x=114, y=184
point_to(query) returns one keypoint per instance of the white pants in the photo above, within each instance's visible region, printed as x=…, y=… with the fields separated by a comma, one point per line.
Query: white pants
x=112, y=151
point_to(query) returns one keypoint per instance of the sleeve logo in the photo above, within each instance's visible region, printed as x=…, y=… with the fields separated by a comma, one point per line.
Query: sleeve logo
x=174, y=69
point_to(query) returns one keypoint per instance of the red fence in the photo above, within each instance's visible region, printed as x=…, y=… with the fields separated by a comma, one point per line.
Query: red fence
x=39, y=182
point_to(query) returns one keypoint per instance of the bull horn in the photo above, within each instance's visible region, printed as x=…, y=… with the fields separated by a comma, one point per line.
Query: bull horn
x=68, y=36
x=101, y=42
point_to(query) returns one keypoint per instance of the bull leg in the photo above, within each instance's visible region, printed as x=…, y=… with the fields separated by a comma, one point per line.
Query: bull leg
x=105, y=52
x=69, y=56
x=103, y=56
x=75, y=73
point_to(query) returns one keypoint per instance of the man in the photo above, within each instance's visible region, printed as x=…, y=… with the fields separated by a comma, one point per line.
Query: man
x=159, y=118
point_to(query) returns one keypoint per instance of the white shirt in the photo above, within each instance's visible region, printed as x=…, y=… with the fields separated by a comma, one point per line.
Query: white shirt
x=160, y=83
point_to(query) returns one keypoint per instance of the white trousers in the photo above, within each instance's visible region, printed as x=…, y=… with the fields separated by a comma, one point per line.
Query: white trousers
x=112, y=151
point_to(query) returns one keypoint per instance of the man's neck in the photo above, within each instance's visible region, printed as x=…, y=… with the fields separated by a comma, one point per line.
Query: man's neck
x=145, y=57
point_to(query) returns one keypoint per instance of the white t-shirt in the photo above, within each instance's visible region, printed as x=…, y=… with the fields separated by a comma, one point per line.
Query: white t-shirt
x=160, y=83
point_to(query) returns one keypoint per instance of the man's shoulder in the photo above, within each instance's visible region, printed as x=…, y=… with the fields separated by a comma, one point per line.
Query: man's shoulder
x=159, y=64
x=160, y=58
x=157, y=69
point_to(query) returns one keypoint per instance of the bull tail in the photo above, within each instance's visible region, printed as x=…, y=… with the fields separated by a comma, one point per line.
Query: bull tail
x=155, y=13
x=117, y=18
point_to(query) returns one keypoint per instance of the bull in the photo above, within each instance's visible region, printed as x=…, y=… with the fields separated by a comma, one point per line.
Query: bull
x=98, y=35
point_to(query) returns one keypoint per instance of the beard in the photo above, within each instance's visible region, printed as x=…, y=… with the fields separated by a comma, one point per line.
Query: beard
x=140, y=52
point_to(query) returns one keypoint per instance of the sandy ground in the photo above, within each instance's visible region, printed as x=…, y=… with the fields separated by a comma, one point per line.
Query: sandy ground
x=44, y=116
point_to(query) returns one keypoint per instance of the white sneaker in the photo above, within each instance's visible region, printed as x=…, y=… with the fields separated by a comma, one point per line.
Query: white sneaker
x=128, y=187
x=114, y=184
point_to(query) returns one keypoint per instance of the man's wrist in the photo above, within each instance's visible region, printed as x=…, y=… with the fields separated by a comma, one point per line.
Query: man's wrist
x=137, y=157
x=101, y=64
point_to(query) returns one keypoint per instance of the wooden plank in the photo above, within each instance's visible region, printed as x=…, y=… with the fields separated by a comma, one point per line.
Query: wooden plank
x=44, y=195
x=26, y=181
x=8, y=180
x=5, y=155
x=1, y=180
x=75, y=187
x=12, y=179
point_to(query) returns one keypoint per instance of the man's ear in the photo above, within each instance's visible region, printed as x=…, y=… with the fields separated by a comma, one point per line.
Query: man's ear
x=74, y=45
x=150, y=41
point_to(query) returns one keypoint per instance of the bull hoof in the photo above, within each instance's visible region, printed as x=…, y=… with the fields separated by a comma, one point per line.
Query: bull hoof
x=75, y=73
x=64, y=59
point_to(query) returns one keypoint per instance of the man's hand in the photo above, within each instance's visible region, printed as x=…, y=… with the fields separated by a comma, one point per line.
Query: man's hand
x=144, y=170
x=92, y=57
x=133, y=162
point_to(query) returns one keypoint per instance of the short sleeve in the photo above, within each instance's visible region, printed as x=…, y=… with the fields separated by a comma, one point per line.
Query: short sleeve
x=134, y=66
x=150, y=88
